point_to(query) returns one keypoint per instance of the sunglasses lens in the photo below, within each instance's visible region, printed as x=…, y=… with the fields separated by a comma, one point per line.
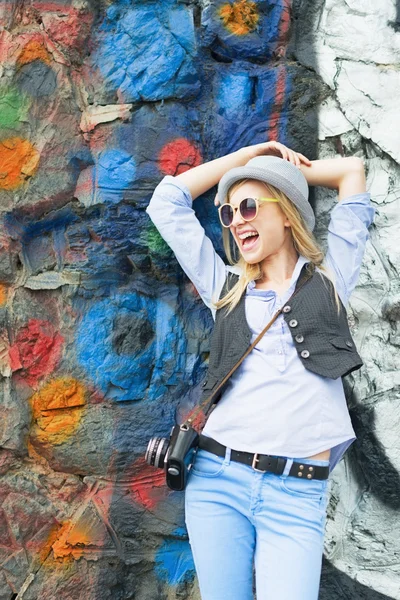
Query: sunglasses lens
x=248, y=209
x=226, y=214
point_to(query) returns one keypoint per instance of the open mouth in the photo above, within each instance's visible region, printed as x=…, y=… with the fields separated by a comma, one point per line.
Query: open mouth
x=249, y=241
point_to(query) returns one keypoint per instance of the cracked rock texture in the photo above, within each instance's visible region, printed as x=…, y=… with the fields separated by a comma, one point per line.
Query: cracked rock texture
x=103, y=341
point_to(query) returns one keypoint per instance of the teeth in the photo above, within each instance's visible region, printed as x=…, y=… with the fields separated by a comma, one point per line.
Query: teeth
x=243, y=236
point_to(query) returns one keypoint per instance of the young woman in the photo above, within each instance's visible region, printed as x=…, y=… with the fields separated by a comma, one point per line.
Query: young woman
x=257, y=492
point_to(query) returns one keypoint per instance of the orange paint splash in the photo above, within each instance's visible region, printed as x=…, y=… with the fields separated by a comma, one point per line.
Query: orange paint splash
x=58, y=409
x=3, y=294
x=72, y=540
x=59, y=546
x=18, y=161
x=87, y=534
x=241, y=17
x=34, y=50
x=44, y=547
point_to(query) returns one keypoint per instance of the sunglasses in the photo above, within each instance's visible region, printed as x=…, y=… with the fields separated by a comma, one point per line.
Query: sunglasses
x=248, y=209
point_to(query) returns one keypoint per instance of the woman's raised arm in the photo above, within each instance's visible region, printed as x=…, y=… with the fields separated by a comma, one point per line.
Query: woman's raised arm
x=205, y=176
x=346, y=175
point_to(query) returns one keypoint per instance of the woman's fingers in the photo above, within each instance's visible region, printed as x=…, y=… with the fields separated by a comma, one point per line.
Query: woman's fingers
x=296, y=158
x=287, y=153
x=216, y=200
x=293, y=158
x=278, y=149
x=304, y=159
x=283, y=150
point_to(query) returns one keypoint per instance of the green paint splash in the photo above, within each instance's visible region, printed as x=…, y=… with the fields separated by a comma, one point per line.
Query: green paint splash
x=14, y=107
x=155, y=243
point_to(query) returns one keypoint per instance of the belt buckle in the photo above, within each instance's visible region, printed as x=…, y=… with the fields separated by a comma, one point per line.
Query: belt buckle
x=255, y=461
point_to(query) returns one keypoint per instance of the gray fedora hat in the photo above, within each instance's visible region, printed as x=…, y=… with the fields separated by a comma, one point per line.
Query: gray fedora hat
x=278, y=172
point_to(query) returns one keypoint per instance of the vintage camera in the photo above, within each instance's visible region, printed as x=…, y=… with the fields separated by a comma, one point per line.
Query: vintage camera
x=175, y=455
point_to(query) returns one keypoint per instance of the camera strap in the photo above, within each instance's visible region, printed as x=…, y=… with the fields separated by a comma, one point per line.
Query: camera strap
x=205, y=407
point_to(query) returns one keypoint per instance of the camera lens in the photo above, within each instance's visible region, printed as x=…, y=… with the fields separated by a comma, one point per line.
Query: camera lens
x=156, y=451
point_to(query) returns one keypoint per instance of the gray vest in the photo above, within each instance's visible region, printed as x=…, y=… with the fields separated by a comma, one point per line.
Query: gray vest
x=320, y=332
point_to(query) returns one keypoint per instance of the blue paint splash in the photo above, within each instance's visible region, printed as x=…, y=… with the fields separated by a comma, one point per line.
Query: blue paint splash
x=174, y=560
x=105, y=182
x=121, y=366
x=143, y=67
x=115, y=169
x=234, y=94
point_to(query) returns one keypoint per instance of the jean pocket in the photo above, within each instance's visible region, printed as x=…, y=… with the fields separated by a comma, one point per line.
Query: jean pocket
x=207, y=464
x=305, y=488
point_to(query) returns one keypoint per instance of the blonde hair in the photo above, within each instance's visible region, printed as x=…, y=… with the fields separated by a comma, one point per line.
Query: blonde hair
x=303, y=242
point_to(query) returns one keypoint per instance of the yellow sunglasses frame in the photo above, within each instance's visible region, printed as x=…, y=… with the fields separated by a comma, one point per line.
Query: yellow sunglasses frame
x=261, y=199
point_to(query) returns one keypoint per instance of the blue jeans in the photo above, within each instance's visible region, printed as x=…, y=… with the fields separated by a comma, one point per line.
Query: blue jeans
x=237, y=518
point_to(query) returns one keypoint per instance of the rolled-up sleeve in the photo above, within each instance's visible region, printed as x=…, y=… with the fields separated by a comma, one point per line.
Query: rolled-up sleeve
x=171, y=211
x=347, y=237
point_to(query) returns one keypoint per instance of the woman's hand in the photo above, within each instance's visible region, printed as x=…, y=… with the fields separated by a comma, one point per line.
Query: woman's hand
x=278, y=149
x=274, y=149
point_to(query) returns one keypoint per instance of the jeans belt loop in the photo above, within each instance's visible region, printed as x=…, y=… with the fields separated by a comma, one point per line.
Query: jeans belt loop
x=227, y=458
x=289, y=463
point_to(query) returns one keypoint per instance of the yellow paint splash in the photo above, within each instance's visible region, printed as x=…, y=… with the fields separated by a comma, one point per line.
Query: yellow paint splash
x=241, y=17
x=58, y=408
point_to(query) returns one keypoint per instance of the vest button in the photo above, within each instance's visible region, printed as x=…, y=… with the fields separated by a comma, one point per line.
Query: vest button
x=204, y=383
x=287, y=309
x=349, y=344
x=299, y=339
x=305, y=354
x=293, y=323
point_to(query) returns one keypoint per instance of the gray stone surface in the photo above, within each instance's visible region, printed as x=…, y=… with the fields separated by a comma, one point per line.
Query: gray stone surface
x=354, y=48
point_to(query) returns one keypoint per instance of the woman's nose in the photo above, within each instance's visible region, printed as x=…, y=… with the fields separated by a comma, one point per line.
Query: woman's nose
x=237, y=217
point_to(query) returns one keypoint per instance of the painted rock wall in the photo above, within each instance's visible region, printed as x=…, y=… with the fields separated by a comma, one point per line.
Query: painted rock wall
x=103, y=341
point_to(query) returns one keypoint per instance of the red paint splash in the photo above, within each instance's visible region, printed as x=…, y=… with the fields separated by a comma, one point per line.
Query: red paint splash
x=199, y=421
x=69, y=29
x=179, y=156
x=36, y=351
x=65, y=7
x=273, y=126
x=148, y=487
x=284, y=28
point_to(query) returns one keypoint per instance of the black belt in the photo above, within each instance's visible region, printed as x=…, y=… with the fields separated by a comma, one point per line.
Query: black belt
x=264, y=462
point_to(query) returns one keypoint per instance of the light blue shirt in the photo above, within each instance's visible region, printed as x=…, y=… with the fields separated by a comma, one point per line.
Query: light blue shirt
x=272, y=404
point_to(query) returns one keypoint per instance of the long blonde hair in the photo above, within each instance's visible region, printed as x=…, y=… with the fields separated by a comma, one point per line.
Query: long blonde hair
x=303, y=242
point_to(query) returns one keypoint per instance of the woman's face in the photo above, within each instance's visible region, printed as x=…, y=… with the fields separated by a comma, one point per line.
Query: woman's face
x=270, y=229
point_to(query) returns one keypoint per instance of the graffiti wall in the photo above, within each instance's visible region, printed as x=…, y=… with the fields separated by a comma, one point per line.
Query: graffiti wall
x=103, y=340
